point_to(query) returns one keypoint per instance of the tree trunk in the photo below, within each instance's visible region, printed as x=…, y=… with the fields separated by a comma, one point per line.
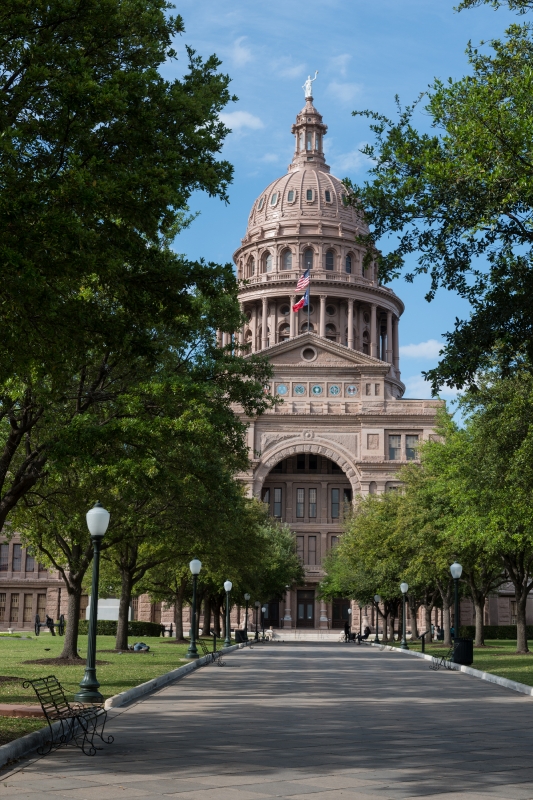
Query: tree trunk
x=446, y=622
x=413, y=608
x=216, y=618
x=121, y=642
x=518, y=566
x=479, y=606
x=70, y=644
x=207, y=616
x=178, y=616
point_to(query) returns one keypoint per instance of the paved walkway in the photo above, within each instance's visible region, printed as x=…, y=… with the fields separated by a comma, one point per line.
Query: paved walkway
x=331, y=722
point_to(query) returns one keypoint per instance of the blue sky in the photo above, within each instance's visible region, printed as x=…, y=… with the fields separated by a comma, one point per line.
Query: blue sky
x=366, y=53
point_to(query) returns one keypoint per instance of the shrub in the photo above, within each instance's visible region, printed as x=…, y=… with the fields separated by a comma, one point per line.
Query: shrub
x=108, y=627
x=495, y=631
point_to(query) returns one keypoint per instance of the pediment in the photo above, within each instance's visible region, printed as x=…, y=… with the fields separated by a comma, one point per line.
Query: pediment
x=327, y=355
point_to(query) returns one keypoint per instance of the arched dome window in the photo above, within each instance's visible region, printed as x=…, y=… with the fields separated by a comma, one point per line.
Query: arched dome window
x=330, y=260
x=327, y=196
x=309, y=140
x=286, y=261
x=250, y=268
x=366, y=348
x=291, y=196
x=267, y=262
x=304, y=327
x=373, y=487
x=284, y=332
x=274, y=199
x=301, y=141
x=308, y=259
x=349, y=264
x=331, y=332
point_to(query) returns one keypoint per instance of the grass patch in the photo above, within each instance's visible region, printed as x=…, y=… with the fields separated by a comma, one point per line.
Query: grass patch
x=14, y=727
x=497, y=657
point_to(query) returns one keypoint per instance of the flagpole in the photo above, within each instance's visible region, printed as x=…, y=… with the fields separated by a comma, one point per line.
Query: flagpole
x=309, y=303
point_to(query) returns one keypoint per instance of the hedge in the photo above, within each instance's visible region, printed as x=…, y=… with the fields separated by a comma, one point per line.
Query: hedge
x=108, y=627
x=495, y=631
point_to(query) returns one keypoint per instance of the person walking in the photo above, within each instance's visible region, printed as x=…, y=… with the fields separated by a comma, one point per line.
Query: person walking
x=346, y=631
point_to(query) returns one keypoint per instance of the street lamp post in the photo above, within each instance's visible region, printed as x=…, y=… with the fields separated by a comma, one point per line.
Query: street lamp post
x=456, y=570
x=403, y=646
x=227, y=586
x=263, y=610
x=360, y=619
x=257, y=605
x=97, y=522
x=377, y=600
x=195, y=566
x=247, y=598
x=349, y=622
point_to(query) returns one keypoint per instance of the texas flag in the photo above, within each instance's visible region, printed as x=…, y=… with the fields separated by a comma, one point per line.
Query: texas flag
x=302, y=302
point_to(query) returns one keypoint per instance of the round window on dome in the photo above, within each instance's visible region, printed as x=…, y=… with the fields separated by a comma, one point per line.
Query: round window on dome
x=285, y=311
x=274, y=199
x=331, y=311
x=291, y=196
x=261, y=204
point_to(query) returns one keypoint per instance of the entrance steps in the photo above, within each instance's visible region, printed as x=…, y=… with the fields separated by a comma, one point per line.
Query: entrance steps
x=307, y=635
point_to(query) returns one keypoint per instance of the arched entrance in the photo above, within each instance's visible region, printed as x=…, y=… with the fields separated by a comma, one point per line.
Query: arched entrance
x=311, y=492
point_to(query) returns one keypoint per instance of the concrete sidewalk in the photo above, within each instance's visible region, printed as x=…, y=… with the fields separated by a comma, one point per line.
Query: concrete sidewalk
x=314, y=720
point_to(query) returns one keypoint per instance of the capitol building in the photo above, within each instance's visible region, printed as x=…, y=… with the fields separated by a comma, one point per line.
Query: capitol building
x=343, y=426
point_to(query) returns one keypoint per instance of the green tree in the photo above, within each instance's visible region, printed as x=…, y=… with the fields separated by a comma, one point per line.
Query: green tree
x=460, y=200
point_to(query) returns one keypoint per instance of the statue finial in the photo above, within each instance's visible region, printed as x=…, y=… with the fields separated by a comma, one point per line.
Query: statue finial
x=308, y=86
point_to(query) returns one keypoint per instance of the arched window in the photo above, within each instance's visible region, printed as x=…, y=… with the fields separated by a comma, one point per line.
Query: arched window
x=290, y=196
x=308, y=259
x=331, y=332
x=304, y=327
x=366, y=348
x=349, y=264
x=318, y=141
x=284, y=332
x=274, y=199
x=301, y=141
x=327, y=196
x=372, y=487
x=330, y=260
x=267, y=262
x=309, y=195
x=309, y=144
x=250, y=270
x=287, y=260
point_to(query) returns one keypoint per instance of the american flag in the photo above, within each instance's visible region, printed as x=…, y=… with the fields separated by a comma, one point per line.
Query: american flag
x=304, y=280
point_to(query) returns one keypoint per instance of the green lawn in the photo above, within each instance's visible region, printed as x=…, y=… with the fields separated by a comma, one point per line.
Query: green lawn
x=121, y=673
x=498, y=656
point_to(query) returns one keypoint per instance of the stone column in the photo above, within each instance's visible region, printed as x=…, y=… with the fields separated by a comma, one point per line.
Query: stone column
x=253, y=324
x=395, y=343
x=287, y=619
x=323, y=615
x=219, y=338
x=373, y=331
x=361, y=327
x=274, y=337
x=350, y=325
x=389, y=337
x=322, y=322
x=293, y=317
x=243, y=327
x=264, y=325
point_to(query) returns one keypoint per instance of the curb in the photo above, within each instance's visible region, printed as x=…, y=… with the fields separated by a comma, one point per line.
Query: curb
x=24, y=745
x=514, y=686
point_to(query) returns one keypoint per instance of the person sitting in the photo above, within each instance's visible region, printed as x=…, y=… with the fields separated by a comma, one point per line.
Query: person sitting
x=346, y=631
x=50, y=625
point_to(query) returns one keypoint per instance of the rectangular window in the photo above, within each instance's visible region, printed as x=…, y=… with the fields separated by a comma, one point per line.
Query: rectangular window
x=313, y=461
x=14, y=610
x=334, y=541
x=309, y=195
x=300, y=502
x=30, y=561
x=17, y=557
x=376, y=387
x=277, y=502
x=300, y=461
x=327, y=195
x=300, y=548
x=41, y=606
x=2, y=606
x=335, y=503
x=28, y=608
x=395, y=443
x=368, y=389
x=311, y=544
x=411, y=445
x=4, y=557
x=312, y=503
x=266, y=496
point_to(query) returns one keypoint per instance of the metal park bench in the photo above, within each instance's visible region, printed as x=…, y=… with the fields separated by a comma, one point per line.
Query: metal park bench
x=213, y=655
x=50, y=624
x=443, y=661
x=78, y=723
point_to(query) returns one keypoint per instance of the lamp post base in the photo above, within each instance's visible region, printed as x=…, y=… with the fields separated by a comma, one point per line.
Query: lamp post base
x=88, y=693
x=192, y=652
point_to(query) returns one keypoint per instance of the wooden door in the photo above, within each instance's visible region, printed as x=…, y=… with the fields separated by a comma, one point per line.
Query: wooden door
x=305, y=614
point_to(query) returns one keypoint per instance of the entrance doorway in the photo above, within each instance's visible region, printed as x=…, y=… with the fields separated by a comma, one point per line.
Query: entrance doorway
x=306, y=608
x=272, y=614
x=340, y=613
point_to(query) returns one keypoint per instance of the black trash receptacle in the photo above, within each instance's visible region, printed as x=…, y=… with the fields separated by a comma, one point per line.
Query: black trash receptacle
x=239, y=637
x=463, y=651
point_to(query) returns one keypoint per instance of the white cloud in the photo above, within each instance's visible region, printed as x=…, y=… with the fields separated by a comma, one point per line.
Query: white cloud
x=419, y=389
x=340, y=63
x=344, y=92
x=239, y=53
x=429, y=349
x=349, y=162
x=287, y=69
x=237, y=120
x=270, y=158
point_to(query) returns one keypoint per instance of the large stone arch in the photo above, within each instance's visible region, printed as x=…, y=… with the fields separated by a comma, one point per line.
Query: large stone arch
x=335, y=452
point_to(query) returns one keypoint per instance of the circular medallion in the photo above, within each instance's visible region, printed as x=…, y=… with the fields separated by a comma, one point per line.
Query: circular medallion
x=281, y=389
x=299, y=389
x=351, y=390
x=334, y=389
x=317, y=389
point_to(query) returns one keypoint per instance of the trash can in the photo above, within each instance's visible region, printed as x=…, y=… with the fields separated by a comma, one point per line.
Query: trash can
x=463, y=651
x=239, y=637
